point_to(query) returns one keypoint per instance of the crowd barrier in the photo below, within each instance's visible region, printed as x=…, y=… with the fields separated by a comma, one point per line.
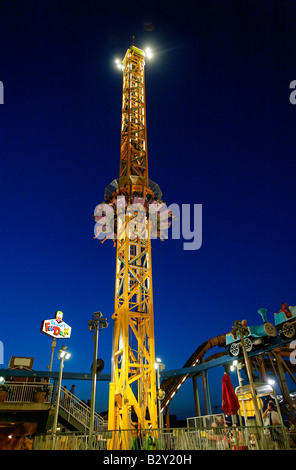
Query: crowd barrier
x=222, y=438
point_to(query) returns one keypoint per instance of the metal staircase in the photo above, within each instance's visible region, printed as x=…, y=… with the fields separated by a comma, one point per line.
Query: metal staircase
x=76, y=413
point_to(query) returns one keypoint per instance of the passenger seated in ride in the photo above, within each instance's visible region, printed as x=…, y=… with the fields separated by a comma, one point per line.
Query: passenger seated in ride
x=285, y=310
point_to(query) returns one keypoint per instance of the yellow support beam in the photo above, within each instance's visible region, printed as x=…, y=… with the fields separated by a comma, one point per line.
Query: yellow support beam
x=132, y=395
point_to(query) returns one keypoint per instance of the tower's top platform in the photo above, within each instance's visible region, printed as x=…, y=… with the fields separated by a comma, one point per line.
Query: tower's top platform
x=135, y=50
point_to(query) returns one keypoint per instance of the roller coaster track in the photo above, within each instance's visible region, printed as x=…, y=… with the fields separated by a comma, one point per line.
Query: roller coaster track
x=171, y=385
x=173, y=380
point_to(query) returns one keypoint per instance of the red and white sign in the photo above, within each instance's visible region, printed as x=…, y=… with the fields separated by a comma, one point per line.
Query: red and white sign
x=56, y=328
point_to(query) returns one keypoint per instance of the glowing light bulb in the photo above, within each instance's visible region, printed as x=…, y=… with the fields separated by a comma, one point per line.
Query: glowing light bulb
x=148, y=53
x=118, y=64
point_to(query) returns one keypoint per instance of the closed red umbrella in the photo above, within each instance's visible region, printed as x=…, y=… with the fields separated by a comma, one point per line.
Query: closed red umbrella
x=230, y=403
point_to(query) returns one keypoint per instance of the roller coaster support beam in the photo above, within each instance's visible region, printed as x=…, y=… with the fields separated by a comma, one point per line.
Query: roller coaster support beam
x=275, y=373
x=167, y=417
x=285, y=389
x=288, y=370
x=206, y=390
x=250, y=376
x=263, y=370
x=196, y=395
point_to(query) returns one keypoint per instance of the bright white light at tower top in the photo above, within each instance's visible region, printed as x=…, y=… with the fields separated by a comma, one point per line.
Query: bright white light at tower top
x=148, y=53
x=119, y=64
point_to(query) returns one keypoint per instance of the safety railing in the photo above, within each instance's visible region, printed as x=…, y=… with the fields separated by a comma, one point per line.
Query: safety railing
x=79, y=410
x=240, y=438
x=28, y=392
x=224, y=438
x=73, y=407
x=67, y=441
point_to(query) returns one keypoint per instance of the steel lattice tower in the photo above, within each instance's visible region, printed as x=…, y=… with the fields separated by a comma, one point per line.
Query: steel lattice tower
x=132, y=394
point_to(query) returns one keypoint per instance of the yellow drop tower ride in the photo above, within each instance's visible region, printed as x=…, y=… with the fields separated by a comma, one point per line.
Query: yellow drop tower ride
x=132, y=394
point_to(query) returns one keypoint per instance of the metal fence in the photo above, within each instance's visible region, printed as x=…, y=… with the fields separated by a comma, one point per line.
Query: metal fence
x=223, y=438
x=66, y=441
x=25, y=392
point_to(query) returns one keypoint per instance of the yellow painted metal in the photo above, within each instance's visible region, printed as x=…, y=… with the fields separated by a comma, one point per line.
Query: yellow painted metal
x=133, y=152
x=132, y=395
x=247, y=406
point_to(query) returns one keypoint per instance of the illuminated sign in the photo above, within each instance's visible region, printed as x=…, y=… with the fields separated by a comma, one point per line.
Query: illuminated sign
x=56, y=328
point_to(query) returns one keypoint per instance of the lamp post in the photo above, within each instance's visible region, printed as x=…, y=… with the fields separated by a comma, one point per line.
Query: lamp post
x=53, y=345
x=159, y=367
x=97, y=324
x=238, y=366
x=63, y=355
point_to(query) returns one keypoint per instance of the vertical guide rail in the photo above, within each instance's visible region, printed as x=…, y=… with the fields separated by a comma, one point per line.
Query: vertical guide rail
x=132, y=394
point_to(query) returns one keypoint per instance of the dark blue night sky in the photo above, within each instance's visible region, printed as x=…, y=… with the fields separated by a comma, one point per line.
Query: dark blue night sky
x=221, y=133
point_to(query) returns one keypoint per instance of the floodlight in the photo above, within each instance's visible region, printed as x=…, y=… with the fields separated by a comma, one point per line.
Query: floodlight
x=148, y=53
x=91, y=326
x=119, y=64
x=63, y=354
x=98, y=315
x=103, y=323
